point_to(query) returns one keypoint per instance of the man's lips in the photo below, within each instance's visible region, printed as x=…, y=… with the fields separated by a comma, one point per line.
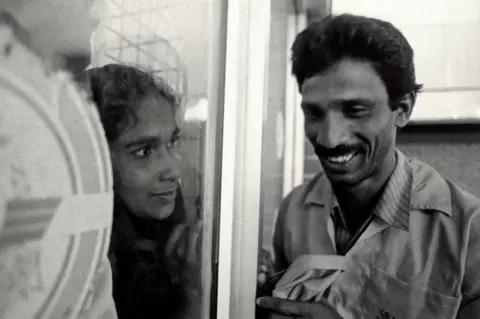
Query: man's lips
x=341, y=159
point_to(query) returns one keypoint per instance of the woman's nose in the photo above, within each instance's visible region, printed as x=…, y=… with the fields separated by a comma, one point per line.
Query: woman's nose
x=169, y=166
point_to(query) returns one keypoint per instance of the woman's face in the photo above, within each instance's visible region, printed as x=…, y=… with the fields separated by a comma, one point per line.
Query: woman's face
x=146, y=168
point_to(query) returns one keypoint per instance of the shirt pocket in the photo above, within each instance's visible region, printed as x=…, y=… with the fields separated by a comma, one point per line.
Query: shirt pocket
x=387, y=297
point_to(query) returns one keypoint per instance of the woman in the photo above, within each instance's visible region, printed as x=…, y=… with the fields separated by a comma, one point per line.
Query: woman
x=154, y=242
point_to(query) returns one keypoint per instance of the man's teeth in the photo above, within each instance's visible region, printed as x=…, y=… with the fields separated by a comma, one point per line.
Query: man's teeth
x=341, y=159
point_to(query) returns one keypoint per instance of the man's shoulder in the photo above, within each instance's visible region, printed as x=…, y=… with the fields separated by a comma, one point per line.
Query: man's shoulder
x=431, y=189
x=306, y=192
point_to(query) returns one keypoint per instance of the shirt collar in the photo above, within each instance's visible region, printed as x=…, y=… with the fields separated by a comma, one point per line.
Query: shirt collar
x=394, y=204
x=412, y=185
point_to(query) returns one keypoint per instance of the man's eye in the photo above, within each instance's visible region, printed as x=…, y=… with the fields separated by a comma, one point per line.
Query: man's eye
x=357, y=110
x=142, y=153
x=173, y=144
x=313, y=114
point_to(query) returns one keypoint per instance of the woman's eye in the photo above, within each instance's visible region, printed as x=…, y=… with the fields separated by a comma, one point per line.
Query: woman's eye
x=142, y=153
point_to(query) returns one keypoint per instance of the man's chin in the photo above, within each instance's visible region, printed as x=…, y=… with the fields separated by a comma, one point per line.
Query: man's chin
x=346, y=180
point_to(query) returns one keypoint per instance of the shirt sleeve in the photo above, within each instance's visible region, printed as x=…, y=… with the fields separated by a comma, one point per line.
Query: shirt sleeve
x=280, y=260
x=470, y=305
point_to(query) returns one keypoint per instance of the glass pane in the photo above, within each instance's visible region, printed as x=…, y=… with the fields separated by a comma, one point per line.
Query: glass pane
x=165, y=164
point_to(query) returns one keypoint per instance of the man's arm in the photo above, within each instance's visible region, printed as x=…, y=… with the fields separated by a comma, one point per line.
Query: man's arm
x=280, y=261
x=470, y=305
x=271, y=269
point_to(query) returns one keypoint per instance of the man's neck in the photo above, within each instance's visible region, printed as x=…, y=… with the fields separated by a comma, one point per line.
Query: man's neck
x=362, y=198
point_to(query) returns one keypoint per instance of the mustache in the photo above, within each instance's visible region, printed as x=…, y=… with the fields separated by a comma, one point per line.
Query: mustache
x=337, y=151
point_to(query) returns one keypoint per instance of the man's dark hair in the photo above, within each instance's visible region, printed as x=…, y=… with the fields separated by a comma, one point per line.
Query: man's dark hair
x=324, y=43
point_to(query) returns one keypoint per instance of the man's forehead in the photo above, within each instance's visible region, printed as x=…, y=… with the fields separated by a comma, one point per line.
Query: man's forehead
x=346, y=81
x=337, y=95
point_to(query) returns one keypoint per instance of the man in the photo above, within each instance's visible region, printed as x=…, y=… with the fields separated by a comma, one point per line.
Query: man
x=376, y=234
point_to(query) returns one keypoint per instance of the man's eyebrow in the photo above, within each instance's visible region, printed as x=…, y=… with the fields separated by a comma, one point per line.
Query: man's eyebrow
x=308, y=104
x=175, y=133
x=356, y=101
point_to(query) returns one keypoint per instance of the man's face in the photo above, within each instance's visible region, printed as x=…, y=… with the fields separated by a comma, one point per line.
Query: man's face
x=349, y=121
x=146, y=166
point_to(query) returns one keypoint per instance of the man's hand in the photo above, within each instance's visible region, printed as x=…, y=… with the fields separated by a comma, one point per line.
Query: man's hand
x=281, y=308
x=266, y=277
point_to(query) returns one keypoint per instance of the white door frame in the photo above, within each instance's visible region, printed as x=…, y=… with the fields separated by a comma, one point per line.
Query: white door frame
x=240, y=202
x=294, y=132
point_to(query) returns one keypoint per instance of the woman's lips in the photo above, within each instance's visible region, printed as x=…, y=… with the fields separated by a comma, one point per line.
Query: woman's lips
x=165, y=192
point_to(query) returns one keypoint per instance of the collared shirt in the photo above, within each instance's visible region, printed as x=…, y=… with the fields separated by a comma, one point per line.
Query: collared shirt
x=393, y=206
x=424, y=264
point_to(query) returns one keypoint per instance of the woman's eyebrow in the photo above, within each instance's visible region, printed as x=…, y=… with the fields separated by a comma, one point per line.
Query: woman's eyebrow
x=142, y=140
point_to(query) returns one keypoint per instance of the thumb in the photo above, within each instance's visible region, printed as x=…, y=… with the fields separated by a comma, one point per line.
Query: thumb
x=319, y=309
x=283, y=306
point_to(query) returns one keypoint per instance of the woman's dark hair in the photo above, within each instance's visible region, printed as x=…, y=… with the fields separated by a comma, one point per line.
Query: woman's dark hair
x=324, y=43
x=116, y=90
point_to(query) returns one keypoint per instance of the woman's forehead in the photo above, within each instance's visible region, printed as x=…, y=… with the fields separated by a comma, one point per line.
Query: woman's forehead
x=154, y=109
x=153, y=118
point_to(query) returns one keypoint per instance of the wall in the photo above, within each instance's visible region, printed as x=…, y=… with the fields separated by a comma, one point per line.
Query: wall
x=444, y=36
x=452, y=150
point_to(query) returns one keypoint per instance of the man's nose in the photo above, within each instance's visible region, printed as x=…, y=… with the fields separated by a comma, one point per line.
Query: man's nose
x=332, y=132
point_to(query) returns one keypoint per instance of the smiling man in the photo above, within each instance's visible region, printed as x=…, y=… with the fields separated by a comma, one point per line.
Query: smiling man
x=375, y=234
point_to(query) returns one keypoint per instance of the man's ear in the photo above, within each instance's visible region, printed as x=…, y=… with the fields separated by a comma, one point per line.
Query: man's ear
x=404, y=109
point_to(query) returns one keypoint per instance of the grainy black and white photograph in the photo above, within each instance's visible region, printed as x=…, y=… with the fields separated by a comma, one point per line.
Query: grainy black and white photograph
x=239, y=159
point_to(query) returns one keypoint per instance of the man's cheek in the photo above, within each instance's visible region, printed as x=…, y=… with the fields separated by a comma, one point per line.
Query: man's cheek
x=311, y=136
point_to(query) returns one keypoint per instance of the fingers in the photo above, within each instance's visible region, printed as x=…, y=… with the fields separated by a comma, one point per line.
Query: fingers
x=262, y=278
x=174, y=240
x=285, y=307
x=316, y=310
